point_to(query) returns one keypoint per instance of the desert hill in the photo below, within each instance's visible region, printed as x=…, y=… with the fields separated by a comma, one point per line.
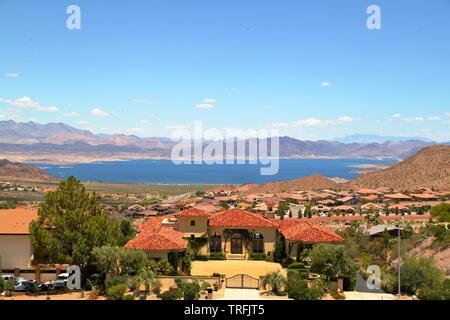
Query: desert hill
x=430, y=167
x=17, y=171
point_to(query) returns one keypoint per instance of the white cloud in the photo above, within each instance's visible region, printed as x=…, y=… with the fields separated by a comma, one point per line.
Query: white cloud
x=447, y=114
x=396, y=115
x=99, y=112
x=267, y=107
x=204, y=106
x=413, y=119
x=145, y=121
x=152, y=115
x=209, y=100
x=140, y=101
x=71, y=114
x=326, y=84
x=137, y=130
x=12, y=75
x=434, y=118
x=313, y=122
x=83, y=122
x=27, y=103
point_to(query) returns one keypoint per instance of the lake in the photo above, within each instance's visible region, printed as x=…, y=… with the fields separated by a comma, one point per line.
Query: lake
x=164, y=171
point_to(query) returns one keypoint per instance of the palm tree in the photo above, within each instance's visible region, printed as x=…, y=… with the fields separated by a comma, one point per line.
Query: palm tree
x=148, y=278
x=275, y=280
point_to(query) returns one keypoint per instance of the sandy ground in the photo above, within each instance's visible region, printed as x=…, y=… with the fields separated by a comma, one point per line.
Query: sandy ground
x=355, y=295
x=233, y=267
x=64, y=296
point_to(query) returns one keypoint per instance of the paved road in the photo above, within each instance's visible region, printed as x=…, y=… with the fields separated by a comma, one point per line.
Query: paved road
x=244, y=294
x=177, y=198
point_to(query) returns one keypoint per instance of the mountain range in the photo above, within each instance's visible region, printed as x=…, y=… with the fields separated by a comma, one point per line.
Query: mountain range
x=62, y=143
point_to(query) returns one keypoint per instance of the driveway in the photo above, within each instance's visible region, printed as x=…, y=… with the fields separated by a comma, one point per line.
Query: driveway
x=234, y=267
x=355, y=295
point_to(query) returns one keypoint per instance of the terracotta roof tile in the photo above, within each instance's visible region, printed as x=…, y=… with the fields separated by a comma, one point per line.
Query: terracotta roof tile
x=239, y=218
x=192, y=213
x=298, y=230
x=17, y=221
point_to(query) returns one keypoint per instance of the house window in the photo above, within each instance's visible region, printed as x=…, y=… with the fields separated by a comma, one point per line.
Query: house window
x=215, y=243
x=192, y=223
x=258, y=243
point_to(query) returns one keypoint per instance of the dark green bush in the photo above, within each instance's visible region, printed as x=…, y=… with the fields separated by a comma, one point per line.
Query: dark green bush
x=171, y=295
x=2, y=285
x=296, y=265
x=298, y=289
x=286, y=261
x=200, y=257
x=129, y=297
x=114, y=282
x=116, y=292
x=191, y=290
x=217, y=256
x=258, y=256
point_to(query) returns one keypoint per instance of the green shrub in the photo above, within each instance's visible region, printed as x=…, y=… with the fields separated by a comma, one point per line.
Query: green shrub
x=2, y=284
x=171, y=295
x=416, y=273
x=200, y=257
x=286, y=261
x=217, y=256
x=191, y=290
x=296, y=265
x=215, y=274
x=129, y=297
x=258, y=256
x=436, y=292
x=116, y=292
x=9, y=284
x=114, y=282
x=298, y=289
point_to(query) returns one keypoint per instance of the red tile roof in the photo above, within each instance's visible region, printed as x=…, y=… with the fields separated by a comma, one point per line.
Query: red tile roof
x=298, y=230
x=239, y=218
x=17, y=221
x=153, y=236
x=192, y=213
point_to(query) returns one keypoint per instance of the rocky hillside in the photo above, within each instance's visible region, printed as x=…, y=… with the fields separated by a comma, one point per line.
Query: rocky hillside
x=17, y=171
x=314, y=182
x=430, y=167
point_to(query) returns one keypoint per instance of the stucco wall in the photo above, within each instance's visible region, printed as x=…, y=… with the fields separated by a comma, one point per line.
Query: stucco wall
x=200, y=228
x=15, y=251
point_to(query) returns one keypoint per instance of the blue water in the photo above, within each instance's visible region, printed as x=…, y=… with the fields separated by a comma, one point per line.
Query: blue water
x=164, y=171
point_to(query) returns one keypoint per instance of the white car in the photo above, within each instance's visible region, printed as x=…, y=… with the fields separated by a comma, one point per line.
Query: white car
x=61, y=281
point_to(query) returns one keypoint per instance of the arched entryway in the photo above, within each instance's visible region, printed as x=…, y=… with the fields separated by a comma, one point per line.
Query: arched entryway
x=236, y=243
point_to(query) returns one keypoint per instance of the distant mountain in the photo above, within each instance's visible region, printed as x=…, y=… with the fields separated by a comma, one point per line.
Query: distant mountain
x=61, y=143
x=371, y=138
x=17, y=171
x=430, y=167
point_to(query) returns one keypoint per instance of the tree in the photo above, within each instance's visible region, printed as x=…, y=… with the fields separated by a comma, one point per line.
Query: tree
x=282, y=209
x=70, y=225
x=275, y=280
x=191, y=290
x=331, y=260
x=298, y=288
x=441, y=211
x=308, y=212
x=440, y=291
x=118, y=260
x=148, y=278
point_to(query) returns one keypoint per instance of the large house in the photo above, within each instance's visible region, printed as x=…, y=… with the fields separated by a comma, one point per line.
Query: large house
x=235, y=233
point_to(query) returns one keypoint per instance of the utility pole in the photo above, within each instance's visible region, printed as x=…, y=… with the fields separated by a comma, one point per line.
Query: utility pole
x=399, y=260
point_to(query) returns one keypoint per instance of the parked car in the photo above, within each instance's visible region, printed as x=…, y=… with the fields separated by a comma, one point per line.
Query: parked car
x=26, y=286
x=7, y=277
x=61, y=281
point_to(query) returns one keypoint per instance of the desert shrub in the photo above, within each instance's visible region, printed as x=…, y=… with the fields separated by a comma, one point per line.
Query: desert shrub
x=129, y=297
x=298, y=289
x=416, y=273
x=114, y=282
x=133, y=283
x=116, y=292
x=331, y=260
x=171, y=295
x=217, y=256
x=436, y=292
x=286, y=261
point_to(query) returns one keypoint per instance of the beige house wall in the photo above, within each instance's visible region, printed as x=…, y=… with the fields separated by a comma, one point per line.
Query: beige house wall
x=200, y=228
x=269, y=235
x=15, y=251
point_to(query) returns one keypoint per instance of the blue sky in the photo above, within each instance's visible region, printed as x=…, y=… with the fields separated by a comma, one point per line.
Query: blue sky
x=311, y=69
